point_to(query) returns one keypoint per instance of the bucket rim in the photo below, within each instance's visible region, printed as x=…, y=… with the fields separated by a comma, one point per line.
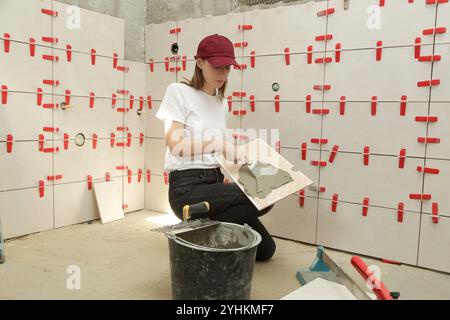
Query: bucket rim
x=185, y=243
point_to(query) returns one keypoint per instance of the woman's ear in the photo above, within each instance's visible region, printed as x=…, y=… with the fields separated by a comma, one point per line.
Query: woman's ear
x=200, y=63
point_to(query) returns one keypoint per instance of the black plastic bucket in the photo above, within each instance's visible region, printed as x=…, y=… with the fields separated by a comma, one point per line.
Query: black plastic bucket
x=213, y=263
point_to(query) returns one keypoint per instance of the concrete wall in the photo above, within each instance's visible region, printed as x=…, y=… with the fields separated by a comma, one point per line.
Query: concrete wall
x=159, y=11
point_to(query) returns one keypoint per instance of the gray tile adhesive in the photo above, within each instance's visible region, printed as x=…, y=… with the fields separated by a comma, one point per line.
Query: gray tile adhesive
x=259, y=179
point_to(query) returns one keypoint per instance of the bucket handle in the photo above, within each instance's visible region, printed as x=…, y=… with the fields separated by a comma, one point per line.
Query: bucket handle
x=195, y=246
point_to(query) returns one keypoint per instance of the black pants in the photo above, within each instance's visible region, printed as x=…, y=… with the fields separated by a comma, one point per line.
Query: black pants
x=227, y=202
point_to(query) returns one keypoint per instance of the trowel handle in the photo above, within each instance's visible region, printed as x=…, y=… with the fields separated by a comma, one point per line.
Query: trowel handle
x=190, y=211
x=379, y=288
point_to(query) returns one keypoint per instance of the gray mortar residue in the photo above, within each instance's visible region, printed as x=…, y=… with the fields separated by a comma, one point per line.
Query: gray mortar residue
x=260, y=179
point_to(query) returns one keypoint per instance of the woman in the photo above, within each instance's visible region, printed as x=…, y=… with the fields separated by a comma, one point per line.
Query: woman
x=194, y=114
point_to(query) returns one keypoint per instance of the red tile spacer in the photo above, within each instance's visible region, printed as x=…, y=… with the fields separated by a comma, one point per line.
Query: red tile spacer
x=91, y=100
x=124, y=206
x=374, y=105
x=301, y=196
x=123, y=69
x=39, y=93
x=50, y=150
x=365, y=207
x=149, y=102
x=245, y=27
x=432, y=31
x=429, y=83
x=129, y=139
x=277, y=103
x=9, y=143
x=319, y=87
x=324, y=60
x=278, y=146
x=252, y=103
x=166, y=178
x=49, y=12
x=123, y=92
x=69, y=53
x=427, y=119
x=151, y=65
x=93, y=56
x=113, y=140
x=175, y=30
x=326, y=12
x=417, y=48
x=149, y=174
x=432, y=58
x=420, y=196
x=322, y=189
x=230, y=103
x=321, y=111
x=319, y=141
x=94, y=141
x=308, y=103
x=167, y=63
x=304, y=150
x=310, y=54
x=50, y=58
x=391, y=261
x=122, y=110
x=122, y=129
x=342, y=105
x=366, y=155
x=252, y=59
x=402, y=158
x=131, y=102
x=53, y=83
x=51, y=129
x=140, y=172
x=319, y=163
x=239, y=113
x=89, y=182
x=324, y=37
x=108, y=177
x=239, y=94
x=334, y=202
x=400, y=212
x=66, y=141
x=50, y=40
x=435, y=211
x=184, y=62
x=141, y=139
x=337, y=53
x=333, y=154
x=428, y=140
x=114, y=100
x=403, y=103
x=121, y=168
x=50, y=106
x=381, y=3
x=241, y=44
x=287, y=56
x=6, y=42
x=41, y=188
x=67, y=97
x=41, y=142
x=32, y=44
x=115, y=60
x=141, y=103
x=4, y=94
x=427, y=170
x=379, y=50
x=55, y=178
x=130, y=174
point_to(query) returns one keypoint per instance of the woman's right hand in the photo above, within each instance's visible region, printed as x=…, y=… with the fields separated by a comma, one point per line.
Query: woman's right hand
x=234, y=153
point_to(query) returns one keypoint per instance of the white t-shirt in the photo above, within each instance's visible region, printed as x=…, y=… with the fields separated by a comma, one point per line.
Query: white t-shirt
x=203, y=115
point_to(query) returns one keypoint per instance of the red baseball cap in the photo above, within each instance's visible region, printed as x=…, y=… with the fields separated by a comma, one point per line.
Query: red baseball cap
x=218, y=50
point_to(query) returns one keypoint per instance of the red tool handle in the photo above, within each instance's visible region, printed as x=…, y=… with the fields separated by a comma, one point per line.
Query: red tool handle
x=381, y=292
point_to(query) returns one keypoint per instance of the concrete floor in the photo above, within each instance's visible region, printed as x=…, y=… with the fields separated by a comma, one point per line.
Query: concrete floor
x=124, y=260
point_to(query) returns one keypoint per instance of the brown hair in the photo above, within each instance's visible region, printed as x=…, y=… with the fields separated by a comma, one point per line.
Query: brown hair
x=198, y=81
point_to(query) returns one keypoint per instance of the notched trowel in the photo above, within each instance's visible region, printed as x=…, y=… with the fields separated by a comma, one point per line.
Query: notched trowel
x=190, y=222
